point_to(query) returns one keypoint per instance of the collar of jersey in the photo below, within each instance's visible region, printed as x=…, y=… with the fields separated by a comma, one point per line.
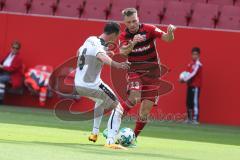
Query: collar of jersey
x=102, y=42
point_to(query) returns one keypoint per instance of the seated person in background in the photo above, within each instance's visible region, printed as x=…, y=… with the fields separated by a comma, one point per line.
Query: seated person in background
x=11, y=69
x=37, y=79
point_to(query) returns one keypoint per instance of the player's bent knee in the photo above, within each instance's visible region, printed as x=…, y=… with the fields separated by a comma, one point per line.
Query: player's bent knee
x=134, y=96
x=97, y=101
x=111, y=104
x=118, y=108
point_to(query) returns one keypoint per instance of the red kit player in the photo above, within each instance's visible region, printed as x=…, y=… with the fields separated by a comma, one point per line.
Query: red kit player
x=138, y=45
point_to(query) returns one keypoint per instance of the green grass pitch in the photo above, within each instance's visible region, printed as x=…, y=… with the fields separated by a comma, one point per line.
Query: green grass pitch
x=36, y=134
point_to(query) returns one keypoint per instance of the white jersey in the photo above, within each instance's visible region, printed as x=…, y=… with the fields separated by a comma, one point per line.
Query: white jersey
x=89, y=67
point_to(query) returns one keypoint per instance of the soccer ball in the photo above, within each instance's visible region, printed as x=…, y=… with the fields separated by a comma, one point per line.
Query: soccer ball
x=183, y=75
x=105, y=133
x=125, y=137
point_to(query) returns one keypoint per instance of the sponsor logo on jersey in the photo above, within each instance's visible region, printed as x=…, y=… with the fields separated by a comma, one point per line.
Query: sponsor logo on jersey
x=141, y=49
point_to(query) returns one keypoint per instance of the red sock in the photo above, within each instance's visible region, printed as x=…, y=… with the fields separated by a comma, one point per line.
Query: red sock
x=139, y=127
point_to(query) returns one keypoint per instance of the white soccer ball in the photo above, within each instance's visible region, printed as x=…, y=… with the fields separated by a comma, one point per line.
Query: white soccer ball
x=183, y=75
x=126, y=136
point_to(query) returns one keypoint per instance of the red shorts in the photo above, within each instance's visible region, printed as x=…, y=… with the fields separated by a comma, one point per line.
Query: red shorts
x=149, y=87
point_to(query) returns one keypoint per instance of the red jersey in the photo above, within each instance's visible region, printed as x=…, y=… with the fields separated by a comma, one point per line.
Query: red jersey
x=195, y=77
x=143, y=51
x=15, y=70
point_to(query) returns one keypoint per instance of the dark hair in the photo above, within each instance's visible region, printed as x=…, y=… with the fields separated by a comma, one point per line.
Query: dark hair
x=196, y=49
x=16, y=43
x=129, y=11
x=112, y=27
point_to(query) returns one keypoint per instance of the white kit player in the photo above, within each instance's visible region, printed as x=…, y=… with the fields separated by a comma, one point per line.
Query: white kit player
x=92, y=55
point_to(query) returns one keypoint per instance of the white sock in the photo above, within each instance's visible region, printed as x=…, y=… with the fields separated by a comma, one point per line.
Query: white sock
x=98, y=114
x=114, y=123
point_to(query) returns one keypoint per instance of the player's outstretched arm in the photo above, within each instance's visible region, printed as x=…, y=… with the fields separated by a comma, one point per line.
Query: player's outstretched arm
x=107, y=60
x=169, y=36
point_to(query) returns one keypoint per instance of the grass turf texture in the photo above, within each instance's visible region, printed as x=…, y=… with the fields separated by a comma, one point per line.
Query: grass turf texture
x=28, y=133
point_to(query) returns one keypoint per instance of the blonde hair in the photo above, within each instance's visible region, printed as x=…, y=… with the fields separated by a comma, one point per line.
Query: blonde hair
x=129, y=11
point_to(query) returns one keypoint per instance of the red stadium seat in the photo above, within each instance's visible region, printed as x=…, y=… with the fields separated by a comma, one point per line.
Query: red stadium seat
x=221, y=2
x=149, y=13
x=16, y=6
x=167, y=1
x=96, y=9
x=204, y=15
x=45, y=7
x=232, y=11
x=2, y=4
x=176, y=13
x=226, y=22
x=69, y=8
x=194, y=1
x=237, y=3
x=118, y=6
x=230, y=18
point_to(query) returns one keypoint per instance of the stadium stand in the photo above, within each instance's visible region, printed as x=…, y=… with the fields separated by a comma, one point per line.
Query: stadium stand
x=237, y=3
x=167, y=1
x=221, y=2
x=117, y=6
x=195, y=13
x=204, y=15
x=177, y=13
x=229, y=18
x=70, y=8
x=149, y=13
x=21, y=6
x=2, y=4
x=194, y=1
x=229, y=23
x=96, y=9
x=43, y=7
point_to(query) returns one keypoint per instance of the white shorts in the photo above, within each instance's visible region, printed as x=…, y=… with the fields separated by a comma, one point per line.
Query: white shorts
x=101, y=92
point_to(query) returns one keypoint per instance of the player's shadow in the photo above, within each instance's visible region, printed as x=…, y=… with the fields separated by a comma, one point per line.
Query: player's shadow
x=99, y=149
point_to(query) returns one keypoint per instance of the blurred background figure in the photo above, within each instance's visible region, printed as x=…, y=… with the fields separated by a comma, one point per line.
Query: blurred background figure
x=193, y=78
x=37, y=79
x=11, y=69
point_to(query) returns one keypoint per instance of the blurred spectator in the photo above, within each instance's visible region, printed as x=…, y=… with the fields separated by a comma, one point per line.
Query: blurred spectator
x=11, y=69
x=193, y=78
x=37, y=79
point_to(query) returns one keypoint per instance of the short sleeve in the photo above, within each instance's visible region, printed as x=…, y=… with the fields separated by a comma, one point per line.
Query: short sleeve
x=122, y=40
x=92, y=47
x=99, y=49
x=155, y=31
